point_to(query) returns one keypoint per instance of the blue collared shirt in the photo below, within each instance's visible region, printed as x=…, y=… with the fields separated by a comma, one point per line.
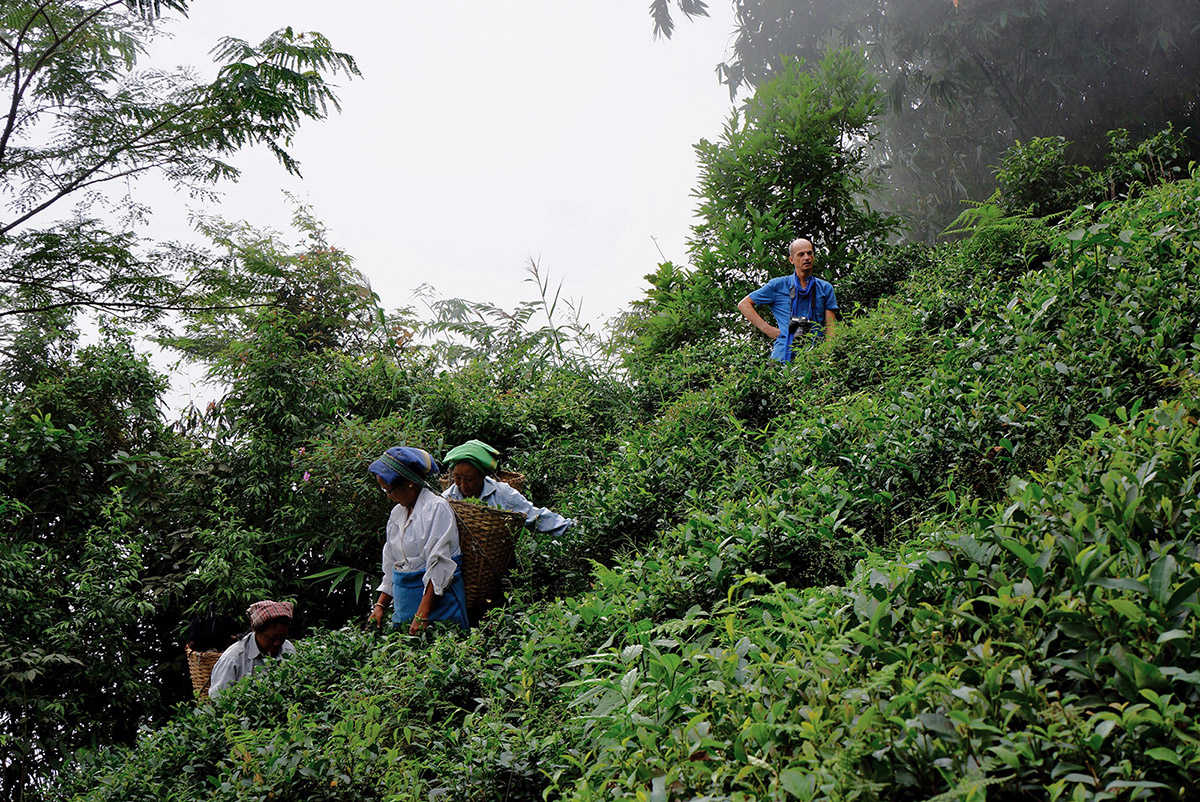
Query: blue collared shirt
x=811, y=303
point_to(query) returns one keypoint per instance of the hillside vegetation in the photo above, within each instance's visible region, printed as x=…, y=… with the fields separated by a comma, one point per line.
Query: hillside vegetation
x=951, y=555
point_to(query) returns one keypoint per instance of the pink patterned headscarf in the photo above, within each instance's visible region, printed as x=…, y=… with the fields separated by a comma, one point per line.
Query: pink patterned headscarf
x=263, y=611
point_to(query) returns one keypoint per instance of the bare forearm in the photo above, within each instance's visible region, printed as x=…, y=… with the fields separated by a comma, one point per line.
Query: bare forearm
x=380, y=609
x=746, y=307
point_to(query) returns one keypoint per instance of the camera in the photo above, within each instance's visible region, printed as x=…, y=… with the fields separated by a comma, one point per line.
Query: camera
x=799, y=325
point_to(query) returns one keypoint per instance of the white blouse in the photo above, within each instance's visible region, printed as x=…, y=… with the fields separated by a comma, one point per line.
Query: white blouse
x=425, y=541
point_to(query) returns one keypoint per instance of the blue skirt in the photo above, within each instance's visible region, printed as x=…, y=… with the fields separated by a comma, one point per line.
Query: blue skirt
x=408, y=587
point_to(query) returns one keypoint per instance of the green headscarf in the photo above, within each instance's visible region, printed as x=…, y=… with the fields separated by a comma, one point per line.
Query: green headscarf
x=476, y=452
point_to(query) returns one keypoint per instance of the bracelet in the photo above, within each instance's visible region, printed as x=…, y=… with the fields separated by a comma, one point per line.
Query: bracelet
x=377, y=604
x=419, y=618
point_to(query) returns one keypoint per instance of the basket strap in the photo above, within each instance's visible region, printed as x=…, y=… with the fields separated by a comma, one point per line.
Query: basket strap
x=462, y=525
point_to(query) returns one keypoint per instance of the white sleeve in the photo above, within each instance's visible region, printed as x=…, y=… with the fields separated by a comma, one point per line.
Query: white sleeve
x=224, y=673
x=442, y=543
x=539, y=519
x=390, y=558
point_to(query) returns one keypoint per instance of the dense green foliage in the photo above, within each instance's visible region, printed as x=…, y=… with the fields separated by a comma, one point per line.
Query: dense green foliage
x=950, y=553
x=1040, y=178
x=790, y=163
x=108, y=545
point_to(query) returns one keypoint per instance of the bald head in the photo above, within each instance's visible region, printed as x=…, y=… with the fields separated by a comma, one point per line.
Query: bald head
x=796, y=243
x=800, y=254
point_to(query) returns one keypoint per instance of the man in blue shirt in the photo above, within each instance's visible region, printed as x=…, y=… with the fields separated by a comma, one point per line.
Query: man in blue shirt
x=803, y=306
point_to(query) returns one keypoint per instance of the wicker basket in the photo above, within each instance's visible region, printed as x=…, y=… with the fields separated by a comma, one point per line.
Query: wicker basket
x=511, y=478
x=486, y=536
x=200, y=666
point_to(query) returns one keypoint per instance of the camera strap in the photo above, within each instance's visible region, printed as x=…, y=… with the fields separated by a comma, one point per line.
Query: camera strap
x=794, y=294
x=793, y=307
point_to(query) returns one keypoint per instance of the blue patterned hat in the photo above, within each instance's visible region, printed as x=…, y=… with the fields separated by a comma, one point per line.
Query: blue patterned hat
x=405, y=462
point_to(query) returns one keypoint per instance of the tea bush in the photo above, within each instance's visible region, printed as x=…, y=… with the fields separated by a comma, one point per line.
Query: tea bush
x=1041, y=177
x=1045, y=646
x=1038, y=178
x=876, y=274
x=950, y=554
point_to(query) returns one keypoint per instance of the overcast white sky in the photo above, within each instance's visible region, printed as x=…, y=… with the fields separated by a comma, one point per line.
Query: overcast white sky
x=482, y=134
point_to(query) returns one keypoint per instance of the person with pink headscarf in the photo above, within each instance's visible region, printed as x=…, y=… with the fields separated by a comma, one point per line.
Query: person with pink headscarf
x=270, y=622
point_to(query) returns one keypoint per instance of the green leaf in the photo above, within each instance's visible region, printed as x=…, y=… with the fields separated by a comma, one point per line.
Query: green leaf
x=800, y=784
x=1128, y=609
x=1016, y=548
x=1147, y=675
x=1134, y=784
x=1172, y=634
x=1119, y=584
x=1162, y=573
x=629, y=681
x=1164, y=754
x=1182, y=595
x=936, y=722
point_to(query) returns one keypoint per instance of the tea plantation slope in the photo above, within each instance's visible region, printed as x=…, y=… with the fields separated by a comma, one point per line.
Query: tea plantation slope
x=973, y=374
x=1044, y=647
x=1030, y=636
x=1041, y=648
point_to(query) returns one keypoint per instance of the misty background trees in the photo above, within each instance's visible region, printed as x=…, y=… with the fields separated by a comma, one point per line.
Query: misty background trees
x=964, y=79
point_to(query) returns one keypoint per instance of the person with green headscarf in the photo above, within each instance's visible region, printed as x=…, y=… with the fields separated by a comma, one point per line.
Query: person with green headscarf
x=471, y=466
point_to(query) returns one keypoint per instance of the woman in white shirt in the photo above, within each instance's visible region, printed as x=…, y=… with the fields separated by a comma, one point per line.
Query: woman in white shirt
x=422, y=561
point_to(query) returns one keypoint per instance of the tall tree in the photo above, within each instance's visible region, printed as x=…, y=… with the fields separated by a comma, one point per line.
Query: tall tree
x=94, y=567
x=965, y=78
x=74, y=662
x=79, y=115
x=290, y=363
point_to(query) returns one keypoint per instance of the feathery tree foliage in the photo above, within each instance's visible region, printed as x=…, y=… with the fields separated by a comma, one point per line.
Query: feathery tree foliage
x=79, y=116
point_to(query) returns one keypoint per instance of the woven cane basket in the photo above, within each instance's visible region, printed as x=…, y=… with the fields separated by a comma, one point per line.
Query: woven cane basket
x=511, y=478
x=486, y=536
x=200, y=666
